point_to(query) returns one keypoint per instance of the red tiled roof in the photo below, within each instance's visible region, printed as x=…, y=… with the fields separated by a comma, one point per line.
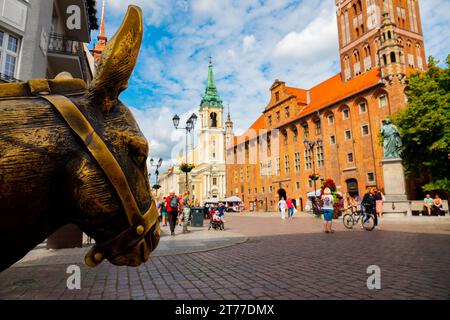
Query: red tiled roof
x=300, y=94
x=251, y=132
x=334, y=89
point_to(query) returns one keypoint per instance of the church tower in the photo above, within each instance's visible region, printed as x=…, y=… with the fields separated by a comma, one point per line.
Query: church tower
x=212, y=131
x=361, y=27
x=229, y=135
x=102, y=40
x=390, y=52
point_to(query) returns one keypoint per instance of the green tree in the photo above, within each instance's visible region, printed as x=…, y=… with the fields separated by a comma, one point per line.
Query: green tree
x=425, y=126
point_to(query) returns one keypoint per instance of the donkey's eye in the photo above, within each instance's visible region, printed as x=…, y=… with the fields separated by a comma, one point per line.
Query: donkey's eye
x=139, y=159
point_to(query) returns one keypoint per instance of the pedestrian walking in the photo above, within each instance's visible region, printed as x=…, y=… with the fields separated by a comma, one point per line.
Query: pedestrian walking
x=172, y=208
x=379, y=200
x=186, y=211
x=163, y=212
x=282, y=206
x=327, y=210
x=290, y=208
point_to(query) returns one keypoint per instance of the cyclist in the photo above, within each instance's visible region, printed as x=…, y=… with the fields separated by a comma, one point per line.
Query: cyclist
x=368, y=205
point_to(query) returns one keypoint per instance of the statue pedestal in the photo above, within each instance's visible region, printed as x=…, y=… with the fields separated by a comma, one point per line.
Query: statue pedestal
x=396, y=202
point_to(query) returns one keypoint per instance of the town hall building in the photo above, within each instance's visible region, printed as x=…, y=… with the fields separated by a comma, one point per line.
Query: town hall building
x=380, y=43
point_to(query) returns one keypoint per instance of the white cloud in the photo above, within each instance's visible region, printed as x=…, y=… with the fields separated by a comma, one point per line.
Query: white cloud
x=248, y=43
x=252, y=43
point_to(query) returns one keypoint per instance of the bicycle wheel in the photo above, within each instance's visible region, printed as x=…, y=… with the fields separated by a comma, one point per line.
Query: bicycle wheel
x=368, y=223
x=348, y=221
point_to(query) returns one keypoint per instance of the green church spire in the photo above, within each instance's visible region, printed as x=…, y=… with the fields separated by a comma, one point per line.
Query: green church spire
x=211, y=97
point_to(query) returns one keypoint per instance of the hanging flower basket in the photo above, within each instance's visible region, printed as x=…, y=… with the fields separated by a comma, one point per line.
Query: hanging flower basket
x=186, y=167
x=314, y=177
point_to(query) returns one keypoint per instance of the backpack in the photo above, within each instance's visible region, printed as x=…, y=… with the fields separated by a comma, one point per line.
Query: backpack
x=173, y=203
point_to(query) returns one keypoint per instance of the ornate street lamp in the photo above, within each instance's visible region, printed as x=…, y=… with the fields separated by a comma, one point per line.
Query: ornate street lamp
x=156, y=186
x=190, y=124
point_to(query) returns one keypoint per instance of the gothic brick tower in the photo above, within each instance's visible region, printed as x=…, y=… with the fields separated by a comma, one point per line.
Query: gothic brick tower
x=102, y=40
x=362, y=25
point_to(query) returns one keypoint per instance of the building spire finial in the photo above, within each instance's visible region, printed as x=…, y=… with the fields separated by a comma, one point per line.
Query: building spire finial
x=211, y=97
x=102, y=25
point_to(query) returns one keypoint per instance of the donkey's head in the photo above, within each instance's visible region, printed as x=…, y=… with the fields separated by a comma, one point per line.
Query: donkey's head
x=115, y=210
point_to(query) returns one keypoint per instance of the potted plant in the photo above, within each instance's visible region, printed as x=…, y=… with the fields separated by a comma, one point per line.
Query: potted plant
x=186, y=167
x=314, y=176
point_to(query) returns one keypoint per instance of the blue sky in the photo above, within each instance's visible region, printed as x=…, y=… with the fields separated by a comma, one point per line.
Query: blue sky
x=252, y=43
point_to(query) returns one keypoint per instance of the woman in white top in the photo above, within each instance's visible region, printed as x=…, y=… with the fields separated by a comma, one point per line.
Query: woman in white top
x=282, y=206
x=327, y=210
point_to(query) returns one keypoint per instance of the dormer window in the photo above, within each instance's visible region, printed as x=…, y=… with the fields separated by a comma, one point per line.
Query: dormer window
x=277, y=96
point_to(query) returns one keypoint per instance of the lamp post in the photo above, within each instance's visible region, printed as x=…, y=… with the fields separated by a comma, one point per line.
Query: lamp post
x=156, y=186
x=309, y=145
x=190, y=124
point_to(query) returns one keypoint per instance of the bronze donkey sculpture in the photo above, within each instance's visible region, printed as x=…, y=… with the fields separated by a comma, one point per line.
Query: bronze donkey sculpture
x=73, y=154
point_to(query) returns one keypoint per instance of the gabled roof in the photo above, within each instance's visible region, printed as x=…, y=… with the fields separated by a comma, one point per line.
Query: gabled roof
x=251, y=132
x=300, y=94
x=334, y=89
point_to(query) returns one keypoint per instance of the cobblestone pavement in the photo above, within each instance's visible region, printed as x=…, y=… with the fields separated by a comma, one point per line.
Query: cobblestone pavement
x=281, y=260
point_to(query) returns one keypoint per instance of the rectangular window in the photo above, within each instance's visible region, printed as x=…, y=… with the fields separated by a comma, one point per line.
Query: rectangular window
x=297, y=184
x=270, y=189
x=332, y=140
x=383, y=101
x=365, y=130
x=347, y=134
x=310, y=183
x=263, y=189
x=330, y=119
x=241, y=174
x=345, y=114
x=214, y=182
x=9, y=49
x=320, y=157
x=297, y=162
x=269, y=119
x=370, y=177
x=278, y=115
x=286, y=110
x=269, y=167
x=305, y=131
x=277, y=96
x=256, y=190
x=308, y=159
x=362, y=107
x=287, y=168
x=318, y=128
x=247, y=173
x=278, y=166
x=350, y=157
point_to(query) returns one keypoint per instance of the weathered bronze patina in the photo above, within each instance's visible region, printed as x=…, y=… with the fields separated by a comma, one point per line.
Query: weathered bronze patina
x=72, y=154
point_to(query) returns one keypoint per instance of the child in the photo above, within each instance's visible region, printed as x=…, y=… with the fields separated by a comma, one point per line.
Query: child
x=327, y=210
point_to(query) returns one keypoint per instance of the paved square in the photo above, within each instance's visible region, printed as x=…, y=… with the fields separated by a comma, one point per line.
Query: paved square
x=290, y=259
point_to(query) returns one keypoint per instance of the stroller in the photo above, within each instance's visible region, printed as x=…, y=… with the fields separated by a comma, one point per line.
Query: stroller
x=216, y=220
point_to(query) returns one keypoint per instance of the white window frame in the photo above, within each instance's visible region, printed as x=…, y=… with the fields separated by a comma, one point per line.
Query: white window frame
x=345, y=135
x=331, y=140
x=4, y=52
x=365, y=106
x=368, y=130
x=353, y=157
x=348, y=114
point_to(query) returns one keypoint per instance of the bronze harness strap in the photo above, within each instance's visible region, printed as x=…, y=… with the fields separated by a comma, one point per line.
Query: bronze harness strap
x=140, y=224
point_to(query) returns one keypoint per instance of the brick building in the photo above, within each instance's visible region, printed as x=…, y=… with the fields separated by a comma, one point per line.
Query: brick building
x=380, y=42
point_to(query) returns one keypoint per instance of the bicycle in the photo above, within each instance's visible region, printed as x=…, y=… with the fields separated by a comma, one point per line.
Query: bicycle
x=352, y=218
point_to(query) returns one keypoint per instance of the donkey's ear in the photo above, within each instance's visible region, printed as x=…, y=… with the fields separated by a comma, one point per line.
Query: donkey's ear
x=117, y=61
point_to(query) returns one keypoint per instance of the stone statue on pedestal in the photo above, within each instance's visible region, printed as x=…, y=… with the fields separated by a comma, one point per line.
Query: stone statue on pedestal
x=392, y=142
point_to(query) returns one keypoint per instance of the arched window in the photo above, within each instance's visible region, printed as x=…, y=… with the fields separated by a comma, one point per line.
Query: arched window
x=213, y=118
x=305, y=130
x=384, y=60
x=367, y=57
x=294, y=133
x=345, y=113
x=357, y=63
x=393, y=58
